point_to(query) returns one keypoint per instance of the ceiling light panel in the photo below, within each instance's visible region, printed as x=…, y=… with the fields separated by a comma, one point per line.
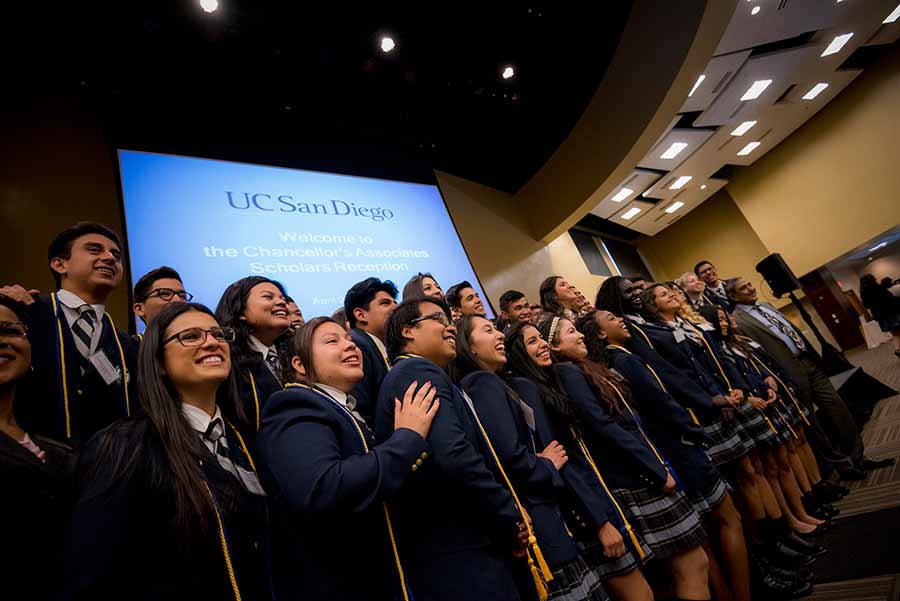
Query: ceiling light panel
x=622, y=194
x=636, y=181
x=675, y=147
x=674, y=206
x=748, y=149
x=674, y=150
x=719, y=71
x=895, y=14
x=681, y=182
x=631, y=213
x=743, y=128
x=837, y=44
x=815, y=91
x=755, y=91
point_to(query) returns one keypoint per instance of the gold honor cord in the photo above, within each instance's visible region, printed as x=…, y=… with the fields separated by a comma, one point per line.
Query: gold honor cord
x=61, y=355
x=637, y=420
x=255, y=397
x=387, y=516
x=712, y=354
x=754, y=360
x=644, y=334
x=658, y=381
x=543, y=575
x=625, y=524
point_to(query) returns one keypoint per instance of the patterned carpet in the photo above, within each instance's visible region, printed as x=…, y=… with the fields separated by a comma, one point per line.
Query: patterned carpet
x=881, y=491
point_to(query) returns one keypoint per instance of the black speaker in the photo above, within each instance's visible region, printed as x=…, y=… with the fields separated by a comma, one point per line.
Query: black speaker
x=779, y=276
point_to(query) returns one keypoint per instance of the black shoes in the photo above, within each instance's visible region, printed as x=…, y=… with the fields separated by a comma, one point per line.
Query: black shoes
x=853, y=473
x=773, y=583
x=828, y=492
x=818, y=509
x=875, y=464
x=784, y=555
x=802, y=545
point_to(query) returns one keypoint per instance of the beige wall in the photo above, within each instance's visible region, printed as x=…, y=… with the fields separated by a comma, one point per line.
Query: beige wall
x=835, y=182
x=500, y=246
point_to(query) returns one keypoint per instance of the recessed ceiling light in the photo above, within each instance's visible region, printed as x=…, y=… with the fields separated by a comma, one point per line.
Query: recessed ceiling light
x=703, y=187
x=877, y=246
x=756, y=89
x=747, y=149
x=743, y=128
x=754, y=10
x=837, y=43
x=895, y=14
x=387, y=44
x=631, y=213
x=508, y=72
x=674, y=206
x=209, y=6
x=680, y=182
x=697, y=85
x=622, y=194
x=673, y=150
x=815, y=91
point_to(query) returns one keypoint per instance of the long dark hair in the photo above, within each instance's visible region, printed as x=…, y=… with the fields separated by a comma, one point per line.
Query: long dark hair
x=549, y=297
x=182, y=451
x=228, y=313
x=301, y=346
x=609, y=297
x=413, y=288
x=648, y=302
x=520, y=364
x=598, y=375
x=465, y=362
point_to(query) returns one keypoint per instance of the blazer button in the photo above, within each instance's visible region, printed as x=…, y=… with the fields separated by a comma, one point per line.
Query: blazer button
x=415, y=467
x=418, y=462
x=424, y=455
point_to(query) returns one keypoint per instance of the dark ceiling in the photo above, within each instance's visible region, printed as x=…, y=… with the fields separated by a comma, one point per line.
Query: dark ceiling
x=298, y=85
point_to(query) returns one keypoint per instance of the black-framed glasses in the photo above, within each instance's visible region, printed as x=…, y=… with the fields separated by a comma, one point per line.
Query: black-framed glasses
x=167, y=294
x=438, y=316
x=197, y=336
x=13, y=329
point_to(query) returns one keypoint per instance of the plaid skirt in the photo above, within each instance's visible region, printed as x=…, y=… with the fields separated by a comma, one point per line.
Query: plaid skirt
x=610, y=567
x=576, y=581
x=667, y=523
x=704, y=501
x=726, y=444
x=753, y=426
x=792, y=412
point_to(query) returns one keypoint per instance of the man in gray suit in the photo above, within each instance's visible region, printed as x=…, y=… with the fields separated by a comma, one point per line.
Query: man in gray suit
x=833, y=433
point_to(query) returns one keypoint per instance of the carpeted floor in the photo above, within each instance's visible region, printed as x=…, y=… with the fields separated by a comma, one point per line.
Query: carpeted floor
x=863, y=563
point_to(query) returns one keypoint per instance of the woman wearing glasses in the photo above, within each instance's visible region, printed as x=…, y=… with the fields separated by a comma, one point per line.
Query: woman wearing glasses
x=256, y=309
x=328, y=478
x=169, y=505
x=35, y=472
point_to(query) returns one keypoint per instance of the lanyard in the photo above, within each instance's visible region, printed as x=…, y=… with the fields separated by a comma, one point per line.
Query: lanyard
x=61, y=357
x=407, y=595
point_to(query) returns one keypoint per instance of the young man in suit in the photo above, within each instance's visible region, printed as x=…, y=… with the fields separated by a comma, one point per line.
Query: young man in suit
x=460, y=526
x=715, y=288
x=368, y=304
x=155, y=290
x=463, y=299
x=81, y=375
x=833, y=434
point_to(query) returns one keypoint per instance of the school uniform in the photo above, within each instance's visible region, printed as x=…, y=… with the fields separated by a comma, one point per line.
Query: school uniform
x=762, y=427
x=509, y=426
x=458, y=522
x=329, y=484
x=693, y=355
x=258, y=378
x=72, y=397
x=634, y=469
x=375, y=367
x=586, y=504
x=717, y=296
x=34, y=507
x=679, y=439
x=797, y=414
x=123, y=542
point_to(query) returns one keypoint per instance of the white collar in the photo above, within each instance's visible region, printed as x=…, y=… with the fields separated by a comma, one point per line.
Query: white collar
x=338, y=395
x=259, y=347
x=378, y=343
x=73, y=301
x=198, y=418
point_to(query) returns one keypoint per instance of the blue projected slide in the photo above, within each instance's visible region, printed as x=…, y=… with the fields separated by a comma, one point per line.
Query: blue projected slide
x=317, y=233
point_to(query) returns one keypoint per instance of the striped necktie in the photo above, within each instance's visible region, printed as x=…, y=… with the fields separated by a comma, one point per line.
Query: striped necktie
x=788, y=331
x=83, y=330
x=215, y=433
x=272, y=362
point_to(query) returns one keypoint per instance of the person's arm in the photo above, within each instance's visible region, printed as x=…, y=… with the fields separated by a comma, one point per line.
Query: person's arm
x=522, y=465
x=300, y=449
x=600, y=423
x=680, y=385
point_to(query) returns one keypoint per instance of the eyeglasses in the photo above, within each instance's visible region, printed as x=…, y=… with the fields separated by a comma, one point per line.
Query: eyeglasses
x=197, y=336
x=167, y=294
x=438, y=316
x=13, y=329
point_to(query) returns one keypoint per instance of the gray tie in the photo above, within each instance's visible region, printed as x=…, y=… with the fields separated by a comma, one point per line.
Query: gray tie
x=215, y=433
x=83, y=330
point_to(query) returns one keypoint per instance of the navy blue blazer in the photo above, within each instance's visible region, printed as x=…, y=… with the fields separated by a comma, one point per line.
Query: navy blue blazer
x=455, y=502
x=534, y=478
x=714, y=298
x=327, y=494
x=254, y=393
x=742, y=374
x=680, y=384
x=694, y=359
x=585, y=506
x=375, y=367
x=93, y=404
x=618, y=449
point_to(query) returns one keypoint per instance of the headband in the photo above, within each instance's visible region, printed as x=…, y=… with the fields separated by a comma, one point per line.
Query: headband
x=553, y=324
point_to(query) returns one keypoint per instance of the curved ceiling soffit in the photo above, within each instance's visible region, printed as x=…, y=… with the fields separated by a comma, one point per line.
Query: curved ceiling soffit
x=664, y=46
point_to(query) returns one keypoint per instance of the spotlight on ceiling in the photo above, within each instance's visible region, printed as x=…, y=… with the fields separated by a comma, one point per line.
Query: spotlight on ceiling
x=209, y=6
x=387, y=44
x=508, y=72
x=703, y=187
x=622, y=194
x=815, y=91
x=755, y=10
x=837, y=43
x=754, y=91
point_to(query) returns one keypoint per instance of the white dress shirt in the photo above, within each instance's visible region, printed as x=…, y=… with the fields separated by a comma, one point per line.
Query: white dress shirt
x=70, y=302
x=380, y=346
x=200, y=420
x=343, y=399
